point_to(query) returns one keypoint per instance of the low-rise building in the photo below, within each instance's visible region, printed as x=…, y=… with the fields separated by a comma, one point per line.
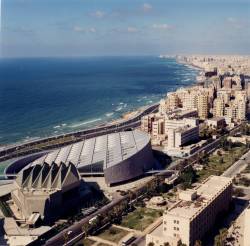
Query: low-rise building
x=246, y=235
x=194, y=214
x=216, y=122
x=46, y=191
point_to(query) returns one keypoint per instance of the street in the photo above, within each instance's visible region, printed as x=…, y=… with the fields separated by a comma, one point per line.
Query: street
x=238, y=166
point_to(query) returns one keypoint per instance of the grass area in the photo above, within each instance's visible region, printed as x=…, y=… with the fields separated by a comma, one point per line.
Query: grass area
x=113, y=234
x=3, y=165
x=217, y=164
x=4, y=207
x=140, y=218
x=85, y=242
x=247, y=169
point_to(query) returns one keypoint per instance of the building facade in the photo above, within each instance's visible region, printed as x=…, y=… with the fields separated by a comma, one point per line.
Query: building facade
x=195, y=213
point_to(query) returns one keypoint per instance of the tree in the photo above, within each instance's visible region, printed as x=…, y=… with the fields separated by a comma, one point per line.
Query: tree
x=179, y=243
x=238, y=192
x=85, y=228
x=198, y=243
x=188, y=177
x=166, y=244
x=220, y=239
x=219, y=153
x=151, y=244
x=65, y=237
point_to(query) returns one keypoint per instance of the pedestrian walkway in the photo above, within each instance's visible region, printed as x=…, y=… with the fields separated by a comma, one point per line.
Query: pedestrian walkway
x=127, y=229
x=100, y=240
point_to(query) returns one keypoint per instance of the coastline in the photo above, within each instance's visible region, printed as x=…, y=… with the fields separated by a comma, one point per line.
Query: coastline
x=123, y=117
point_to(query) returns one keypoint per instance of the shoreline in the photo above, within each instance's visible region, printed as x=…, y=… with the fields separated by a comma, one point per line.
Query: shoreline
x=123, y=117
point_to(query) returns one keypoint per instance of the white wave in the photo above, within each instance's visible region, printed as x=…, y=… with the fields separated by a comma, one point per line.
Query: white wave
x=58, y=126
x=118, y=108
x=85, y=123
x=109, y=114
x=28, y=139
x=187, y=79
x=121, y=103
x=64, y=124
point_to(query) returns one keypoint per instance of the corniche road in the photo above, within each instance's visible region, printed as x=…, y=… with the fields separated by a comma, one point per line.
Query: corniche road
x=49, y=143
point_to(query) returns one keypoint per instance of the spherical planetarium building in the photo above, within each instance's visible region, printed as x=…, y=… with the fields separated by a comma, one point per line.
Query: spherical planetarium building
x=120, y=156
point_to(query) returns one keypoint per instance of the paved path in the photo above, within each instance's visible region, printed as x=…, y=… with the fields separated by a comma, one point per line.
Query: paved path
x=101, y=240
x=127, y=229
x=238, y=166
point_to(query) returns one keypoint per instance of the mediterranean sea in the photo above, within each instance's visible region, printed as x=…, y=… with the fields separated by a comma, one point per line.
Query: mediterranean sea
x=40, y=97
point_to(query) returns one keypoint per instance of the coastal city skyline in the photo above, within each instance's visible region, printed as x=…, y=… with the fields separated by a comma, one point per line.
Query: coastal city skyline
x=101, y=28
x=125, y=123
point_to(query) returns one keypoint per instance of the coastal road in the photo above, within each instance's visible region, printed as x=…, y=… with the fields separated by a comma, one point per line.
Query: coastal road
x=49, y=143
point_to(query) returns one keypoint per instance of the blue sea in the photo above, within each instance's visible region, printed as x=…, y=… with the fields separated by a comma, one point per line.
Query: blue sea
x=40, y=97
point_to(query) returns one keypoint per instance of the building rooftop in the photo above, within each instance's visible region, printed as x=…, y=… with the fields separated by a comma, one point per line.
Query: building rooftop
x=107, y=150
x=206, y=192
x=47, y=177
x=12, y=229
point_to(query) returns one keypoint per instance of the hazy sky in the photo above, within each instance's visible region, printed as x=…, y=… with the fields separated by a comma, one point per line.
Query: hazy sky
x=124, y=27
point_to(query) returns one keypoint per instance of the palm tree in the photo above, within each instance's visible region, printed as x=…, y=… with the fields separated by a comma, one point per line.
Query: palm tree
x=151, y=244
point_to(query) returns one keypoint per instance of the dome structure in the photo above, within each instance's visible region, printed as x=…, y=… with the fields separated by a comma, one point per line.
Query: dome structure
x=119, y=157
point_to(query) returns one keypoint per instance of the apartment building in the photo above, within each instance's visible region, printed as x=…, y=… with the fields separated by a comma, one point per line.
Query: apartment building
x=202, y=106
x=172, y=100
x=218, y=107
x=174, y=123
x=146, y=122
x=180, y=136
x=236, y=110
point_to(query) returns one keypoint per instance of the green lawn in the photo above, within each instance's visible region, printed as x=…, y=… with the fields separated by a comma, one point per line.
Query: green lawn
x=3, y=165
x=216, y=164
x=113, y=234
x=140, y=218
x=88, y=242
